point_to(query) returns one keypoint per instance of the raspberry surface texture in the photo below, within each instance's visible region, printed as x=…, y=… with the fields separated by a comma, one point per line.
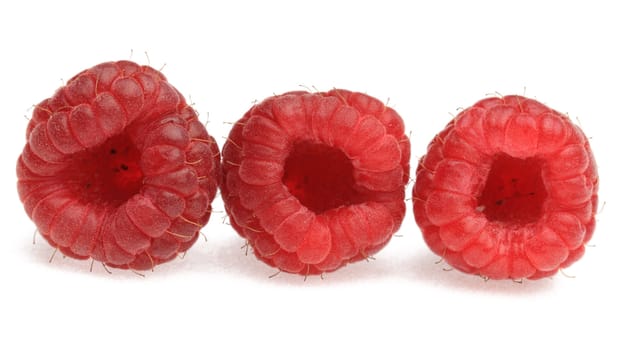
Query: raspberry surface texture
x=508, y=190
x=314, y=181
x=118, y=168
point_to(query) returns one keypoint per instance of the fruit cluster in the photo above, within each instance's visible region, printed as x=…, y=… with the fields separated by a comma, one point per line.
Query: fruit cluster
x=117, y=168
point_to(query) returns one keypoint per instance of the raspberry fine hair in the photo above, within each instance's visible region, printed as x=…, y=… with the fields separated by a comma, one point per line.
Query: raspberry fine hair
x=118, y=168
x=508, y=190
x=314, y=181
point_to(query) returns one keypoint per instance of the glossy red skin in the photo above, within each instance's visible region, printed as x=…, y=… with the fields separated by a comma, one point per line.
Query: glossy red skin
x=314, y=181
x=508, y=190
x=118, y=168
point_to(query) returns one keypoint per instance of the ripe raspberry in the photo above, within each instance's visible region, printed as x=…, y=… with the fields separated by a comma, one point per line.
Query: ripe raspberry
x=316, y=180
x=118, y=168
x=507, y=190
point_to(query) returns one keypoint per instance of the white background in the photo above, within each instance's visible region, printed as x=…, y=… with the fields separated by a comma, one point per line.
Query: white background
x=426, y=60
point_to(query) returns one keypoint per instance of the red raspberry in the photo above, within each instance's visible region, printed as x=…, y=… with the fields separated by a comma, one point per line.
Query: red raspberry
x=316, y=180
x=507, y=190
x=118, y=168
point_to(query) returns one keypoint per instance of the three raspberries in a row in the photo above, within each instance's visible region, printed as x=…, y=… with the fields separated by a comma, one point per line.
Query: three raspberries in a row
x=118, y=168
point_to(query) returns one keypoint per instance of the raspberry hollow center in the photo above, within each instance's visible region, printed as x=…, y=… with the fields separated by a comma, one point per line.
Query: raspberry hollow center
x=514, y=191
x=107, y=174
x=320, y=177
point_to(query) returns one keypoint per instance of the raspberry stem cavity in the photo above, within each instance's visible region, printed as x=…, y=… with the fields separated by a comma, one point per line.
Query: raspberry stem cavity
x=109, y=174
x=514, y=192
x=320, y=177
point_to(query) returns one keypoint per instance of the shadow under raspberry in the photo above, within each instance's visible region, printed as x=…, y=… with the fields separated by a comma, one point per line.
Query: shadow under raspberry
x=430, y=269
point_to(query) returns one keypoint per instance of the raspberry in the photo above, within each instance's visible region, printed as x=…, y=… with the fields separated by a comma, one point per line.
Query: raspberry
x=314, y=181
x=507, y=190
x=118, y=168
